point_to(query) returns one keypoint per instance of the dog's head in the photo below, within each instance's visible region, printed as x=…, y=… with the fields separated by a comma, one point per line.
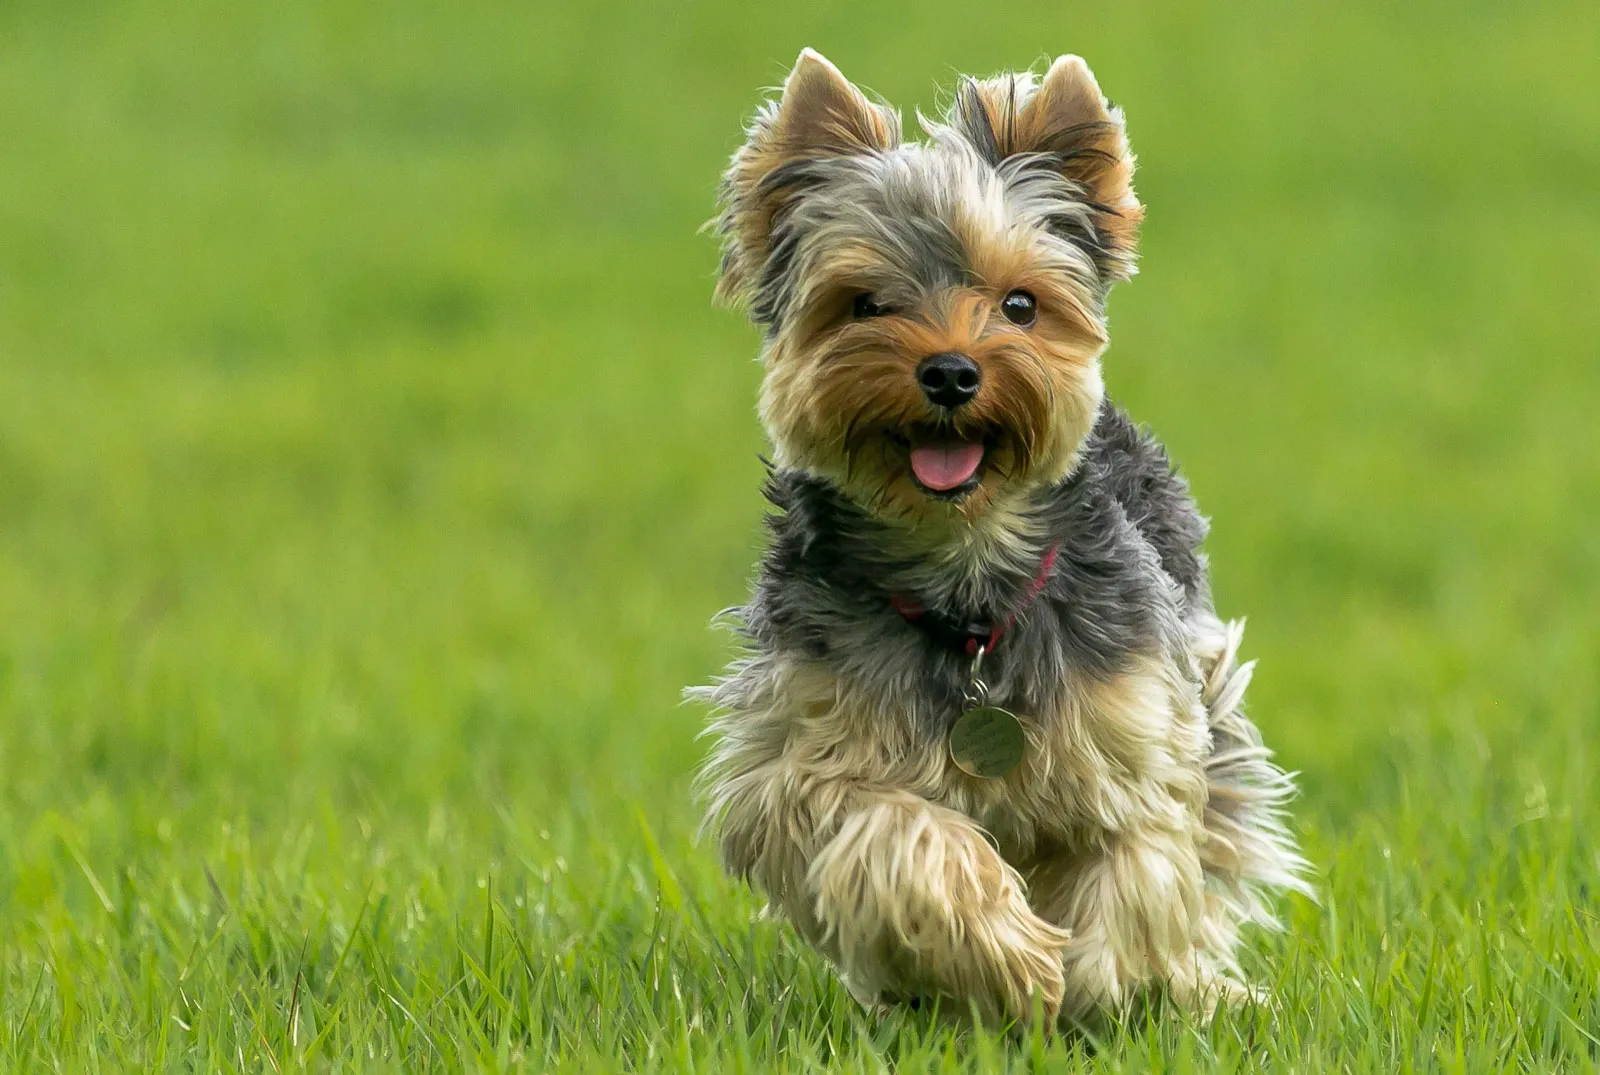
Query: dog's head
x=934, y=311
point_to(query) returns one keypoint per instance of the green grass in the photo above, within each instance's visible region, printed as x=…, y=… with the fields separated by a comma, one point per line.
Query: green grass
x=371, y=461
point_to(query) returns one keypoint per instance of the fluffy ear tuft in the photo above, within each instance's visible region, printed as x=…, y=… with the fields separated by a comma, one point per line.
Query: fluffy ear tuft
x=820, y=114
x=1065, y=119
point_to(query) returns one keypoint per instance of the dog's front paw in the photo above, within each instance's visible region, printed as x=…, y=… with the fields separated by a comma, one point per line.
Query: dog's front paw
x=912, y=901
x=1026, y=954
x=1093, y=980
x=1097, y=982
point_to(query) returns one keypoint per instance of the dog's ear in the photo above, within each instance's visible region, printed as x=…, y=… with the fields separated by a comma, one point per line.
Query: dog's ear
x=1064, y=120
x=820, y=114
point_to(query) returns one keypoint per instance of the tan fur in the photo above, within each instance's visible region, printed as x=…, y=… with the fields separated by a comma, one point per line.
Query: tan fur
x=835, y=397
x=1121, y=852
x=868, y=838
x=911, y=900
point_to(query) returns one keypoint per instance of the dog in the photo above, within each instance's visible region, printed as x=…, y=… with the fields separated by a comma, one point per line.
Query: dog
x=985, y=745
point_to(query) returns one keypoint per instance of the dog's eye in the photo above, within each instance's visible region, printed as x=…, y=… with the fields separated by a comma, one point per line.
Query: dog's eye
x=863, y=307
x=1020, y=308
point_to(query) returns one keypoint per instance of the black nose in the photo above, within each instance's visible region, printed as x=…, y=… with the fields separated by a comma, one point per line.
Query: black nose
x=949, y=380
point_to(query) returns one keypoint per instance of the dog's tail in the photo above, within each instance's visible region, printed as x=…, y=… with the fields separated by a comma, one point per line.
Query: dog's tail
x=1249, y=854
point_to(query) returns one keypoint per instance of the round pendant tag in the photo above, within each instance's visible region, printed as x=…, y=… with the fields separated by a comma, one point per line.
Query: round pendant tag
x=987, y=742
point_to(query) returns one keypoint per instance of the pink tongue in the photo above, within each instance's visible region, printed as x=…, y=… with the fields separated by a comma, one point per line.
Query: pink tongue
x=945, y=466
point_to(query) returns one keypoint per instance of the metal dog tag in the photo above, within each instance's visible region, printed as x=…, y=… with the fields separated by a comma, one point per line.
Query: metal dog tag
x=987, y=742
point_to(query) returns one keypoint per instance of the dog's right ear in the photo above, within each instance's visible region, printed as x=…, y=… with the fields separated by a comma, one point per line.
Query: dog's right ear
x=820, y=114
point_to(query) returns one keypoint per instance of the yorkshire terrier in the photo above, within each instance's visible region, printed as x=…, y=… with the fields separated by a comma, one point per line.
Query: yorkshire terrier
x=986, y=743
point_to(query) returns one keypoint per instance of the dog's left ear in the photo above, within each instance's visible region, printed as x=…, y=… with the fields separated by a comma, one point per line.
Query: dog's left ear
x=820, y=114
x=1065, y=119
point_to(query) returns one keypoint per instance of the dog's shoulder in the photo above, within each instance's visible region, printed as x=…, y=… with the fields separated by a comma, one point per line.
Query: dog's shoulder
x=1134, y=469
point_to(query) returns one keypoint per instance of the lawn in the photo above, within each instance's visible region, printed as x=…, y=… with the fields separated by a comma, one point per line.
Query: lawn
x=372, y=460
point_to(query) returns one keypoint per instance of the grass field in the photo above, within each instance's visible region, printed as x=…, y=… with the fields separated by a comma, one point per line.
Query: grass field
x=371, y=461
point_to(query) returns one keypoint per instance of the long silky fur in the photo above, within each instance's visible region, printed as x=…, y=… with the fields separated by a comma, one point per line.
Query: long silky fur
x=1145, y=826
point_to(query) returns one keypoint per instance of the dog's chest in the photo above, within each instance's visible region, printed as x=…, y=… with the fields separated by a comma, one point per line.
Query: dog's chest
x=1099, y=751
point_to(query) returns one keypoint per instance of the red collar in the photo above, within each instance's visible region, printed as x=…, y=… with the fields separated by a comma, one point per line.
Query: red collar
x=969, y=635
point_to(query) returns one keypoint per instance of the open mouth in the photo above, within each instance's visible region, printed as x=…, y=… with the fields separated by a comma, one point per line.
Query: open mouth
x=943, y=463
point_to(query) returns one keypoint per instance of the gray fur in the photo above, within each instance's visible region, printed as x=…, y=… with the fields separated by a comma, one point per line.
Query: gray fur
x=831, y=783
x=1126, y=573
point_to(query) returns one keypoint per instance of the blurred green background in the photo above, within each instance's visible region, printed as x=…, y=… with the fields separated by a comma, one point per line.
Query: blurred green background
x=371, y=460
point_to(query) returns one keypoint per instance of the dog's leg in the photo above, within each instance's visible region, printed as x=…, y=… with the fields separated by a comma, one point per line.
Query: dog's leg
x=910, y=898
x=1136, y=904
x=905, y=896
x=808, y=799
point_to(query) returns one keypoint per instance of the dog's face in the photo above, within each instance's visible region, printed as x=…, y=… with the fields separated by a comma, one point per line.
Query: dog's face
x=934, y=311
